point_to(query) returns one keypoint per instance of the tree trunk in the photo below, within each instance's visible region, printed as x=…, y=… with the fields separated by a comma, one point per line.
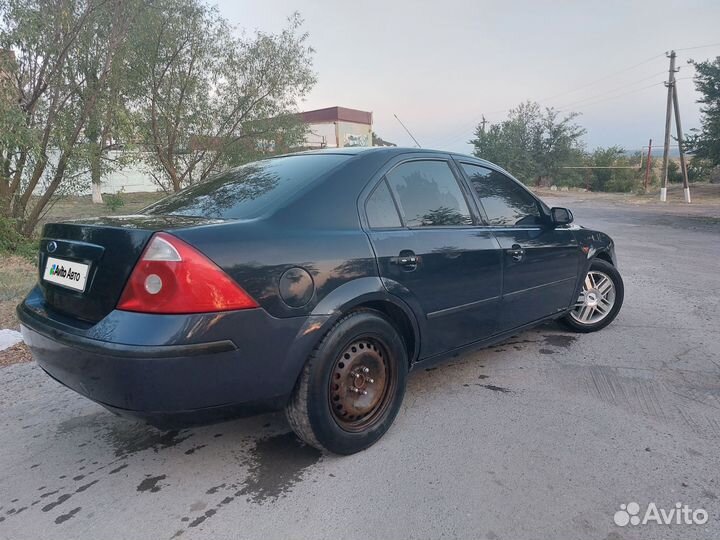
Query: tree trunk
x=96, y=194
x=95, y=176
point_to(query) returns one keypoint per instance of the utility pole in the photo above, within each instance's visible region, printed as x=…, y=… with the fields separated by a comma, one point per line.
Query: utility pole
x=678, y=126
x=647, y=169
x=666, y=147
x=483, y=123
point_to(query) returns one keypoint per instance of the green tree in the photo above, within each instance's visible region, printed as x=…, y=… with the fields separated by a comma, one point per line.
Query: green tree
x=209, y=99
x=533, y=143
x=704, y=144
x=50, y=95
x=613, y=170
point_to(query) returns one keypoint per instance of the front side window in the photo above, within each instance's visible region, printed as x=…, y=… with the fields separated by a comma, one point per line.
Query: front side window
x=380, y=208
x=429, y=194
x=505, y=202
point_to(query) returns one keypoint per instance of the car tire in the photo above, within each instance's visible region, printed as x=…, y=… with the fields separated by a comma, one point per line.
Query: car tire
x=352, y=385
x=582, y=318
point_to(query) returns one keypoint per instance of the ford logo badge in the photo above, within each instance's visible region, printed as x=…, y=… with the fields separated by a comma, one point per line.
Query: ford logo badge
x=52, y=246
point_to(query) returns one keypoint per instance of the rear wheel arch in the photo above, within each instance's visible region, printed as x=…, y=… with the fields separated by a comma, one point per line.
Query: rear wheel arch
x=400, y=319
x=370, y=293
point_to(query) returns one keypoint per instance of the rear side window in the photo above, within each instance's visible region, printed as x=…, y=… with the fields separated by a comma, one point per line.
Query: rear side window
x=380, y=208
x=429, y=194
x=506, y=203
x=248, y=191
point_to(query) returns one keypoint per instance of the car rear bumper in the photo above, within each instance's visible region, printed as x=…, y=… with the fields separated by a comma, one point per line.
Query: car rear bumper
x=184, y=369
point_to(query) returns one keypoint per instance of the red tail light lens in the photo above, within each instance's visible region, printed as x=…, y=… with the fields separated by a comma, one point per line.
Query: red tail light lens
x=173, y=277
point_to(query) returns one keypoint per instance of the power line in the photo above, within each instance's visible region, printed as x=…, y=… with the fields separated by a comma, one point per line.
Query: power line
x=618, y=95
x=604, y=78
x=699, y=47
x=591, y=98
x=505, y=110
x=590, y=101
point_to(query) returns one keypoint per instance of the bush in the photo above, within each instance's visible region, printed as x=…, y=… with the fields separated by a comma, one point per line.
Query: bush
x=114, y=201
x=11, y=241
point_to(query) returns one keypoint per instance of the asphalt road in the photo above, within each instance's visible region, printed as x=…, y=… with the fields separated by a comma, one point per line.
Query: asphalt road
x=543, y=436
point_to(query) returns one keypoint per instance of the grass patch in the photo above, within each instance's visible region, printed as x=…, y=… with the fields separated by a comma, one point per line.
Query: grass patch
x=17, y=277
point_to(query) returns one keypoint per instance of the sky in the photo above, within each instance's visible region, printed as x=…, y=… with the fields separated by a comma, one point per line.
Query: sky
x=440, y=65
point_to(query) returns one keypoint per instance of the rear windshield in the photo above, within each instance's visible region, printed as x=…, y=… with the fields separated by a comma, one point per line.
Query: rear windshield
x=248, y=191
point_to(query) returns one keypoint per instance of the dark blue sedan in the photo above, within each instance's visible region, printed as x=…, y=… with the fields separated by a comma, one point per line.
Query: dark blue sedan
x=312, y=282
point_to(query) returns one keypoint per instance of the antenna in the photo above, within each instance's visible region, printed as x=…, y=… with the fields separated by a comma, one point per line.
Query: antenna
x=408, y=131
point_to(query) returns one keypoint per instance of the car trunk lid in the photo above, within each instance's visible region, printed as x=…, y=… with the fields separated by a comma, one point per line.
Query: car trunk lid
x=109, y=247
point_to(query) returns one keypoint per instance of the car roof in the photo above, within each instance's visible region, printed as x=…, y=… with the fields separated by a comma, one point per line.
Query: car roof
x=391, y=151
x=387, y=150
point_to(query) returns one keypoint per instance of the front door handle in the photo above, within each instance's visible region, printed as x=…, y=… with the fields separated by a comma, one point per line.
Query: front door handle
x=516, y=252
x=407, y=260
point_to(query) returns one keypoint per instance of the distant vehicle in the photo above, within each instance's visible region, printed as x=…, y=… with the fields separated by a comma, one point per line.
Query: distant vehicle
x=312, y=282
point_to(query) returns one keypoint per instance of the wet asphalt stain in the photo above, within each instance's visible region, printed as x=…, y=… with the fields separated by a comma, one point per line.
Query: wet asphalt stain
x=133, y=438
x=49, y=494
x=63, y=518
x=94, y=420
x=559, y=340
x=61, y=499
x=198, y=520
x=276, y=464
x=86, y=486
x=194, y=449
x=496, y=388
x=483, y=376
x=118, y=469
x=150, y=484
x=547, y=351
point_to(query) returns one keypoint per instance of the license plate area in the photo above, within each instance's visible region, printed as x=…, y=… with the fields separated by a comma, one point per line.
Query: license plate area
x=69, y=274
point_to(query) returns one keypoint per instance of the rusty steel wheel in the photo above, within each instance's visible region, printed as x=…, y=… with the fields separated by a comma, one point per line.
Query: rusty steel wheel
x=361, y=384
x=352, y=385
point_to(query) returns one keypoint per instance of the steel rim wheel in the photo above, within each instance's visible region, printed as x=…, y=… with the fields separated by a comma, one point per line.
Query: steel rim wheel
x=361, y=384
x=596, y=299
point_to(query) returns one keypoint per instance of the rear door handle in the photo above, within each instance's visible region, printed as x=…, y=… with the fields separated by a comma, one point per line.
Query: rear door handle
x=407, y=260
x=516, y=252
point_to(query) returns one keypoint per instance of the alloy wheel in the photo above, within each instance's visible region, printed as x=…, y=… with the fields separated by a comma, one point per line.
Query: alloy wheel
x=596, y=299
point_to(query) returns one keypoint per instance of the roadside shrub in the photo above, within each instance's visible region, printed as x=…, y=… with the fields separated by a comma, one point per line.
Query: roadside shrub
x=11, y=241
x=113, y=201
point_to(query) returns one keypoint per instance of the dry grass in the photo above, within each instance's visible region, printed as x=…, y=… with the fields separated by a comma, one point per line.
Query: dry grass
x=16, y=354
x=17, y=276
x=82, y=206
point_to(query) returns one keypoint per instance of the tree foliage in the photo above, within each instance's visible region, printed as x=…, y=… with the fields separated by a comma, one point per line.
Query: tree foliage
x=533, y=143
x=58, y=56
x=169, y=78
x=540, y=147
x=208, y=99
x=705, y=143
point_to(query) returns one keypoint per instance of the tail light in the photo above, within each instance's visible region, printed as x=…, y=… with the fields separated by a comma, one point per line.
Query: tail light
x=173, y=277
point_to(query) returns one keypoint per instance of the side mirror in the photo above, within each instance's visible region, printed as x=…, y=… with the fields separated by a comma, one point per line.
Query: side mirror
x=560, y=216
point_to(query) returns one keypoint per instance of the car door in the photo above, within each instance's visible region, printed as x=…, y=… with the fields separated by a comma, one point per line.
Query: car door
x=430, y=252
x=540, y=261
